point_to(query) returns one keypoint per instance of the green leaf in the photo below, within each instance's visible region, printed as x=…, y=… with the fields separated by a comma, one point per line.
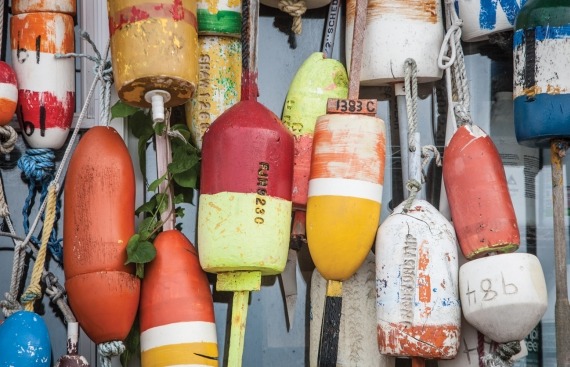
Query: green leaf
x=140, y=124
x=179, y=198
x=139, y=251
x=187, y=193
x=147, y=227
x=162, y=201
x=142, y=157
x=159, y=128
x=156, y=183
x=132, y=344
x=188, y=178
x=122, y=110
x=182, y=129
x=148, y=207
x=179, y=212
x=139, y=271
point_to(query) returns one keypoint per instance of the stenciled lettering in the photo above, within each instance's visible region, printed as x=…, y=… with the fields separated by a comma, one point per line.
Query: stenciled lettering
x=260, y=201
x=408, y=279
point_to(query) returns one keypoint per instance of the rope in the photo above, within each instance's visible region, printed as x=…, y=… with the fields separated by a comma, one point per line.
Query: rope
x=503, y=354
x=34, y=290
x=8, y=136
x=295, y=8
x=109, y=350
x=454, y=63
x=426, y=156
x=38, y=166
x=411, y=89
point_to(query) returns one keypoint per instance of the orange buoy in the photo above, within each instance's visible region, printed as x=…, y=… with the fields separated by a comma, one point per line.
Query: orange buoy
x=35, y=6
x=154, y=48
x=46, y=95
x=99, y=206
x=176, y=308
x=8, y=93
x=478, y=193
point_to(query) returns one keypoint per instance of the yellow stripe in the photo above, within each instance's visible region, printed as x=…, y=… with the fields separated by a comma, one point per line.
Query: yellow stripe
x=181, y=354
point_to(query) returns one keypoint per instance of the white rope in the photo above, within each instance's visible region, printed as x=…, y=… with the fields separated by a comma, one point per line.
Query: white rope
x=109, y=350
x=411, y=89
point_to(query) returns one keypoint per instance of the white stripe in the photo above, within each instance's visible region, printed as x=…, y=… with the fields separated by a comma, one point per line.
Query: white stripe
x=345, y=187
x=51, y=74
x=9, y=91
x=178, y=333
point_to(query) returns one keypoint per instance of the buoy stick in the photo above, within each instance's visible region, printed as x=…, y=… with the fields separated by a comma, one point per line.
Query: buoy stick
x=330, y=30
x=562, y=307
x=328, y=346
x=418, y=362
x=250, y=21
x=241, y=283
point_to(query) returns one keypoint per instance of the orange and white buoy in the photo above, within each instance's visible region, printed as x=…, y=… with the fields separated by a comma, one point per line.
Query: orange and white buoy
x=46, y=84
x=176, y=308
x=8, y=93
x=409, y=29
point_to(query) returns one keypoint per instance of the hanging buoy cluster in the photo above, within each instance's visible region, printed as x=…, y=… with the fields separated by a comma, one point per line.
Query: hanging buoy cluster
x=46, y=84
x=219, y=65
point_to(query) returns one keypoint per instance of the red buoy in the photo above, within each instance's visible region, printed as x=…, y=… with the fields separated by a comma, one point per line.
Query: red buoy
x=99, y=207
x=479, y=199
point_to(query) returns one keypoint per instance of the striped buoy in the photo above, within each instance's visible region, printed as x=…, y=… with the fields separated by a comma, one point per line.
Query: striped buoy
x=219, y=18
x=418, y=308
x=317, y=79
x=478, y=194
x=35, y=6
x=8, y=93
x=154, y=49
x=345, y=192
x=46, y=94
x=219, y=83
x=481, y=18
x=541, y=76
x=409, y=29
x=24, y=341
x=176, y=308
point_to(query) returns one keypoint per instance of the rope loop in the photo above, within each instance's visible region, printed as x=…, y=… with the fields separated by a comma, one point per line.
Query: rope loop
x=411, y=89
x=109, y=350
x=8, y=138
x=430, y=152
x=413, y=187
x=10, y=305
x=295, y=8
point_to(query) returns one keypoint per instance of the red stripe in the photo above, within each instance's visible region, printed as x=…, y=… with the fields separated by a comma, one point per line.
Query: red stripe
x=175, y=11
x=43, y=110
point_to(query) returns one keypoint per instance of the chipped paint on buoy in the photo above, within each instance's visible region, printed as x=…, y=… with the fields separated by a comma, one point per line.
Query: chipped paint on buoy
x=35, y=6
x=418, y=308
x=219, y=17
x=482, y=18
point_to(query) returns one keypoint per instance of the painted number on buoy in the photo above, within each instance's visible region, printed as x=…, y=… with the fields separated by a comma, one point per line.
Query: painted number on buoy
x=490, y=291
x=262, y=180
x=353, y=106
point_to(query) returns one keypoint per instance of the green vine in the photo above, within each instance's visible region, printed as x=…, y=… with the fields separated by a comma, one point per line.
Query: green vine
x=182, y=175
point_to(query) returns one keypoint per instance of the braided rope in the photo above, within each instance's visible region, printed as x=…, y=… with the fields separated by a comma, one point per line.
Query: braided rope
x=411, y=89
x=295, y=8
x=109, y=350
x=8, y=136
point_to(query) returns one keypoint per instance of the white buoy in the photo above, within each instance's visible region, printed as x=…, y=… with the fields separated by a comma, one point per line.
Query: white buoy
x=482, y=18
x=503, y=296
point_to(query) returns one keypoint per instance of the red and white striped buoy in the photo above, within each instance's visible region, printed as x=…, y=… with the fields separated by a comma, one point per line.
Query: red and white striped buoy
x=8, y=93
x=46, y=84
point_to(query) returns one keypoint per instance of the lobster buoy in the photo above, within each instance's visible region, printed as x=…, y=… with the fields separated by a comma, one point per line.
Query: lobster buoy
x=72, y=358
x=35, y=6
x=46, y=84
x=478, y=194
x=24, y=341
x=219, y=65
x=356, y=346
x=99, y=207
x=8, y=93
x=418, y=308
x=541, y=83
x=317, y=80
x=219, y=18
x=503, y=296
x=412, y=29
x=176, y=308
x=345, y=192
x=483, y=18
x=251, y=197
x=154, y=49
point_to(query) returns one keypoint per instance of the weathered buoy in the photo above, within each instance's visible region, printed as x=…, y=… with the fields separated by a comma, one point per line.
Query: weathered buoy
x=99, y=205
x=142, y=34
x=72, y=358
x=24, y=341
x=219, y=65
x=8, y=93
x=541, y=76
x=219, y=18
x=176, y=308
x=418, y=308
x=411, y=29
x=357, y=344
x=345, y=192
x=318, y=79
x=478, y=194
x=46, y=84
x=503, y=296
x=482, y=18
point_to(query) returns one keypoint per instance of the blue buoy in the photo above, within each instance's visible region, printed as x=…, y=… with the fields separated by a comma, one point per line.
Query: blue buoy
x=24, y=341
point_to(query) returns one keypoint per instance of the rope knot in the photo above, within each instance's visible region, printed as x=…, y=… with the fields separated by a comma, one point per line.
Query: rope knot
x=413, y=187
x=109, y=350
x=53, y=289
x=462, y=115
x=10, y=305
x=38, y=165
x=295, y=8
x=8, y=137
